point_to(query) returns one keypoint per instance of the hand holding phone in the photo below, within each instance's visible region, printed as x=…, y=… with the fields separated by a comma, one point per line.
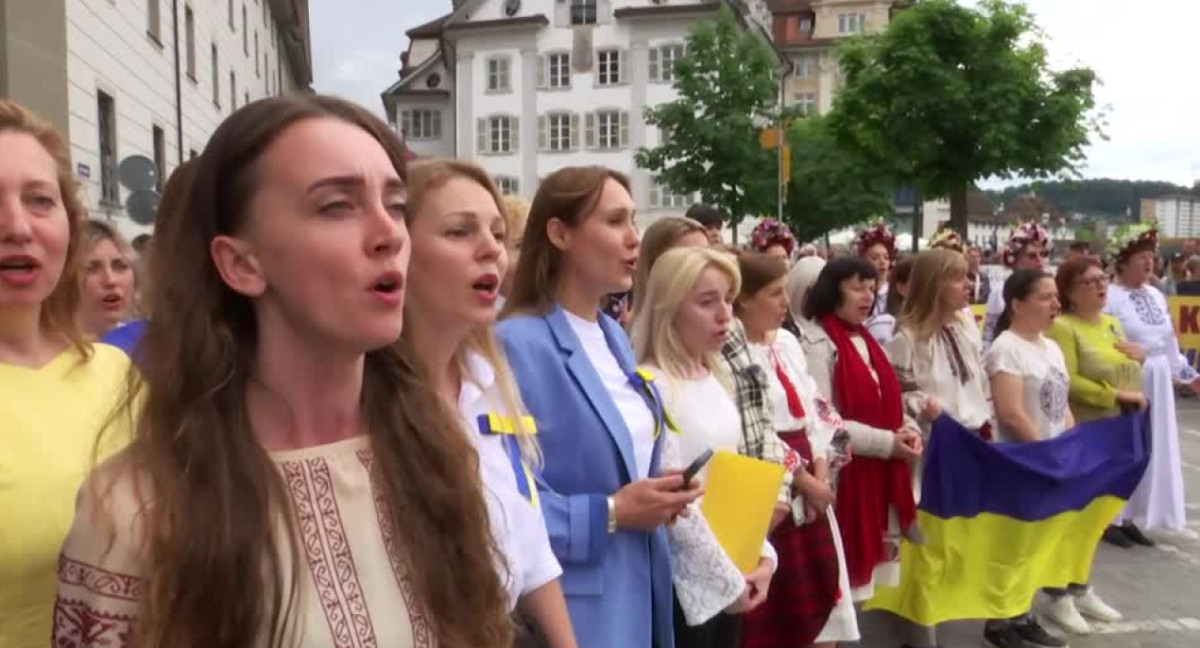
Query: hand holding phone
x=694, y=468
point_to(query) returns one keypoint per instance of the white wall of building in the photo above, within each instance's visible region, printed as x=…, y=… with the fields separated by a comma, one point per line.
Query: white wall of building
x=110, y=51
x=1178, y=217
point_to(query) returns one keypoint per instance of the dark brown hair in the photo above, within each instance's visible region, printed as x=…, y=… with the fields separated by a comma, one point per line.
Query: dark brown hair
x=58, y=311
x=215, y=566
x=1066, y=276
x=900, y=273
x=758, y=271
x=569, y=195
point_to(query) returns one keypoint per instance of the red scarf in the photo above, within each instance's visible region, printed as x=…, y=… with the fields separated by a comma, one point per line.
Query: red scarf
x=868, y=486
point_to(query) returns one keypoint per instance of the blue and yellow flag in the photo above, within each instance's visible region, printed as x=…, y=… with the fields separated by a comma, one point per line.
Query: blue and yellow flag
x=1002, y=520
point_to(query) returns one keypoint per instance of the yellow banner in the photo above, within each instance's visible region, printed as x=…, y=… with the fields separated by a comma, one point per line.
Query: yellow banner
x=1185, y=313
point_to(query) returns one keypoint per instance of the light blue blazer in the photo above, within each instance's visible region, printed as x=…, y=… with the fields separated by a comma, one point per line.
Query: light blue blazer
x=618, y=586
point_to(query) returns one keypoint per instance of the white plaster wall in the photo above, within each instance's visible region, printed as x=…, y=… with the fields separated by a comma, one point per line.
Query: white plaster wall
x=109, y=50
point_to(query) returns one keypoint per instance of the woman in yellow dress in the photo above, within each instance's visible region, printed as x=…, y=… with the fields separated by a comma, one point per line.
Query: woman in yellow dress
x=1105, y=378
x=56, y=389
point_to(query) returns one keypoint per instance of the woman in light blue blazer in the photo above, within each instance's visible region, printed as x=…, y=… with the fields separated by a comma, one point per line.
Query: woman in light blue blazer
x=600, y=421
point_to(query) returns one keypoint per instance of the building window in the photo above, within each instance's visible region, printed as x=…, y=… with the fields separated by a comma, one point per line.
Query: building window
x=806, y=67
x=806, y=103
x=245, y=32
x=662, y=196
x=608, y=67
x=560, y=131
x=806, y=26
x=560, y=70
x=498, y=74
x=154, y=20
x=232, y=90
x=106, y=122
x=257, y=69
x=189, y=32
x=160, y=157
x=852, y=23
x=421, y=124
x=583, y=12
x=499, y=135
x=508, y=185
x=662, y=62
x=607, y=129
x=216, y=77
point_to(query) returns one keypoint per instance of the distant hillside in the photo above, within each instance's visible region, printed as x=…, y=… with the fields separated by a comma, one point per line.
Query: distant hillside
x=1096, y=197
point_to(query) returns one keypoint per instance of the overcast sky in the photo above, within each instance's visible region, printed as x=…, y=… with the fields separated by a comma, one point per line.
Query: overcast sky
x=1145, y=51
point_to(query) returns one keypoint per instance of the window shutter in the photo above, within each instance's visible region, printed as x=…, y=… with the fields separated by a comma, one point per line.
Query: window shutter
x=574, y=131
x=515, y=122
x=481, y=135
x=589, y=129
x=654, y=67
x=543, y=133
x=623, y=66
x=543, y=71
x=624, y=129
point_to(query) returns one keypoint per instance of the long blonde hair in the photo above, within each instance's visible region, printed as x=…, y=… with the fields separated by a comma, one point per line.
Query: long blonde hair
x=921, y=311
x=655, y=340
x=425, y=177
x=661, y=236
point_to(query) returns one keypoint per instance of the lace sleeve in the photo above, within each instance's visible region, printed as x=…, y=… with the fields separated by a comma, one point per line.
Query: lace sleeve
x=706, y=580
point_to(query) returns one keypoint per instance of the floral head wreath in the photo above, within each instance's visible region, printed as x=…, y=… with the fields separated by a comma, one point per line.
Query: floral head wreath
x=1023, y=235
x=771, y=232
x=1131, y=238
x=877, y=234
x=948, y=239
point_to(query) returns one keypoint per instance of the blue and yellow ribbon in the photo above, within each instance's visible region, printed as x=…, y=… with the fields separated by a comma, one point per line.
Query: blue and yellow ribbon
x=507, y=426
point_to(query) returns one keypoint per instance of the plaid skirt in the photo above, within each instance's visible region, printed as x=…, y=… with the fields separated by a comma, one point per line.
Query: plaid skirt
x=804, y=589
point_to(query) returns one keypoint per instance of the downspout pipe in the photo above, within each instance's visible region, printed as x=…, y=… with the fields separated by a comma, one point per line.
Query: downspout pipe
x=178, y=83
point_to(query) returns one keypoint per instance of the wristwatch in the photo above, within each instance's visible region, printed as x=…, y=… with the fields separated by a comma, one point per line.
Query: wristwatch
x=612, y=515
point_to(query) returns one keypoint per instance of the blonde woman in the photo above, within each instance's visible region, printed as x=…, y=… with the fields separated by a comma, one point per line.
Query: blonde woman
x=664, y=234
x=454, y=220
x=106, y=280
x=678, y=337
x=937, y=358
x=939, y=363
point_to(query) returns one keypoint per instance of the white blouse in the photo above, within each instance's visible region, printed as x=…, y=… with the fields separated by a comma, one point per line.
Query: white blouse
x=929, y=368
x=1043, y=372
x=516, y=519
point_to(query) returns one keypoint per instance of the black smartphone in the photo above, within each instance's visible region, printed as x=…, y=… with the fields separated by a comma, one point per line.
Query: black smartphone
x=614, y=304
x=692, y=470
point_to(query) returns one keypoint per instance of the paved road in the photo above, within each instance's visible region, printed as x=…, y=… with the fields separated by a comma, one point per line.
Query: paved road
x=1157, y=589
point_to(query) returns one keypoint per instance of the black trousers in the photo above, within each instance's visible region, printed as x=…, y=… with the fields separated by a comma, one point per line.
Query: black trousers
x=721, y=631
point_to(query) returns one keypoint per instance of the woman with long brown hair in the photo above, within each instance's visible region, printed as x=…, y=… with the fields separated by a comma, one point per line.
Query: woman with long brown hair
x=293, y=480
x=600, y=420
x=56, y=388
x=458, y=261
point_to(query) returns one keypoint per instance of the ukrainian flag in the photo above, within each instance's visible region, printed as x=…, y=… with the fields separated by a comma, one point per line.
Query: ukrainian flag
x=1002, y=520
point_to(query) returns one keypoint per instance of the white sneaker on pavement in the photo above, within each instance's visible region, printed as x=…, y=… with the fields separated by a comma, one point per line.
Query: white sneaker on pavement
x=1061, y=610
x=1092, y=606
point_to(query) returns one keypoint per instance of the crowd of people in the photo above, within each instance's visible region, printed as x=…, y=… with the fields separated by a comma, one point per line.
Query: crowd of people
x=341, y=398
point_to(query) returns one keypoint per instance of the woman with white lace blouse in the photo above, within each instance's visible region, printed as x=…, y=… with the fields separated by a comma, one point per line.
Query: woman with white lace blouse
x=677, y=336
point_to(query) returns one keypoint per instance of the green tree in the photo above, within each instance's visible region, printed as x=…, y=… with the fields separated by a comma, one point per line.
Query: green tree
x=829, y=187
x=949, y=95
x=727, y=95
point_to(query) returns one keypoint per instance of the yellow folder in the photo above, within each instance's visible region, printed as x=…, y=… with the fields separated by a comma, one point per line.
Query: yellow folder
x=739, y=497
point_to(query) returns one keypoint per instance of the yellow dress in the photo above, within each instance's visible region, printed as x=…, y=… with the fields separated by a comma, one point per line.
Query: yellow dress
x=1096, y=368
x=49, y=422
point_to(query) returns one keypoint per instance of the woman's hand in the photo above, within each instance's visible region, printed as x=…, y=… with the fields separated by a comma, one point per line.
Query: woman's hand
x=908, y=445
x=1133, y=398
x=817, y=493
x=759, y=582
x=742, y=604
x=1132, y=351
x=648, y=503
x=778, y=515
x=931, y=410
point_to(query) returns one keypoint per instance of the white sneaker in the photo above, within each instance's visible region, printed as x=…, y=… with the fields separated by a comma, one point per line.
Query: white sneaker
x=1061, y=610
x=1092, y=606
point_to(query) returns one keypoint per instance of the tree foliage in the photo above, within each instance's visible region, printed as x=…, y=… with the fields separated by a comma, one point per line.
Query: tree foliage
x=1102, y=197
x=949, y=95
x=727, y=95
x=829, y=187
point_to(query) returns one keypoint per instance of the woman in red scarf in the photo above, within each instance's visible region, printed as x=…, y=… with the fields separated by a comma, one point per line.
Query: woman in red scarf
x=875, y=503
